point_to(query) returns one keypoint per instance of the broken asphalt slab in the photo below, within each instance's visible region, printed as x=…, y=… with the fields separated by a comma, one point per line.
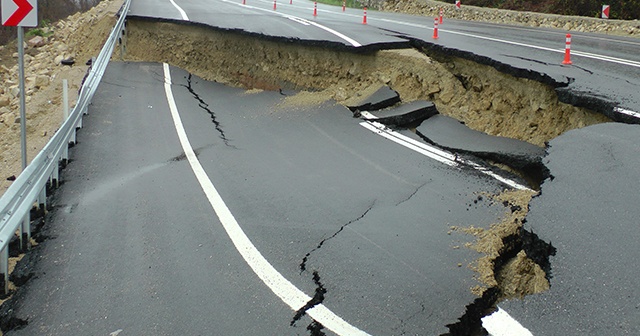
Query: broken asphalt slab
x=453, y=135
x=589, y=212
x=407, y=114
x=384, y=97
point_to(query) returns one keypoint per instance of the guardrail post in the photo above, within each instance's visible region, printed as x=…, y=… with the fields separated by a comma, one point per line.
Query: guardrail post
x=65, y=114
x=42, y=199
x=123, y=41
x=56, y=176
x=25, y=232
x=4, y=270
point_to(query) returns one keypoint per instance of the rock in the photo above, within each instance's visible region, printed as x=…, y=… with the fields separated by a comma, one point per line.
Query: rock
x=14, y=91
x=36, y=42
x=68, y=61
x=41, y=81
x=4, y=111
x=58, y=59
x=4, y=101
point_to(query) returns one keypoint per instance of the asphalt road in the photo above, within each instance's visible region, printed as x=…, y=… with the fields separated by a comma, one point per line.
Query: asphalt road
x=142, y=244
x=137, y=247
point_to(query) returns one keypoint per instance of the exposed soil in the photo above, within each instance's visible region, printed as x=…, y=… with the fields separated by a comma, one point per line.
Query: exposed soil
x=80, y=37
x=518, y=276
x=482, y=97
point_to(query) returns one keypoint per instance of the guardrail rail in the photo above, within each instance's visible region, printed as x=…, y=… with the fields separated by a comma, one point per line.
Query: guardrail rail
x=30, y=188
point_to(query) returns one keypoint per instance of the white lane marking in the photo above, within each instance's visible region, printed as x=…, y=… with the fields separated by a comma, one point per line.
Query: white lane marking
x=435, y=153
x=431, y=152
x=573, y=52
x=279, y=285
x=182, y=12
x=501, y=323
x=627, y=112
x=299, y=19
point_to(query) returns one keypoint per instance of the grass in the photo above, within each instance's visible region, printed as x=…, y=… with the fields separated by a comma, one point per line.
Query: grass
x=40, y=31
x=349, y=3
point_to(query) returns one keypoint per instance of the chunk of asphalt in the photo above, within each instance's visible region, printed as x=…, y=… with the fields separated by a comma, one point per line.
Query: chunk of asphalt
x=384, y=97
x=453, y=135
x=407, y=114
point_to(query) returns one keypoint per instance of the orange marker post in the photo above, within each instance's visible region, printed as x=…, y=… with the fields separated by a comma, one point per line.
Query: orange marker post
x=435, y=28
x=315, y=8
x=364, y=19
x=567, y=51
x=441, y=13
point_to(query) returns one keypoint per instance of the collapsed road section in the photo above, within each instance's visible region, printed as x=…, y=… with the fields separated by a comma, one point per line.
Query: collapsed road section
x=484, y=99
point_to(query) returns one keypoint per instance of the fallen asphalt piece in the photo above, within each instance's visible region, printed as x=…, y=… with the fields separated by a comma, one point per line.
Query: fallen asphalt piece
x=589, y=212
x=407, y=114
x=383, y=98
x=453, y=135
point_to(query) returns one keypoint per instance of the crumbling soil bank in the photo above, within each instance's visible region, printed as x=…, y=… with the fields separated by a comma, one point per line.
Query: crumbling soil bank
x=482, y=97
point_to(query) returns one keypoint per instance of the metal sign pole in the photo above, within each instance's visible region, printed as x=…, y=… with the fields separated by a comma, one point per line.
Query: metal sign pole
x=23, y=114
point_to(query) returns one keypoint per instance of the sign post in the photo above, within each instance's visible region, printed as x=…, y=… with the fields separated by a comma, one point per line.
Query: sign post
x=21, y=13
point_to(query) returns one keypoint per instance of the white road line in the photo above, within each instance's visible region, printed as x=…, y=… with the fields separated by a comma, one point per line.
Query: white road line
x=434, y=152
x=283, y=288
x=182, y=12
x=501, y=323
x=573, y=51
x=302, y=21
x=627, y=112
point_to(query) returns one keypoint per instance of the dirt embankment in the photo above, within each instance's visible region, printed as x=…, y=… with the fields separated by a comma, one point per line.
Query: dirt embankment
x=482, y=97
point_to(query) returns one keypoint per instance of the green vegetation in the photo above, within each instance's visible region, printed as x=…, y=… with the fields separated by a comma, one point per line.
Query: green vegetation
x=349, y=3
x=620, y=9
x=44, y=32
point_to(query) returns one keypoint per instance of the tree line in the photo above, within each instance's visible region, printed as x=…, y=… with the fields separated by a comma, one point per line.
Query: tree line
x=50, y=11
x=620, y=9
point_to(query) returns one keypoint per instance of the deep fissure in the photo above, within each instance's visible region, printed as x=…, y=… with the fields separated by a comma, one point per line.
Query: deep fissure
x=521, y=252
x=303, y=264
x=318, y=298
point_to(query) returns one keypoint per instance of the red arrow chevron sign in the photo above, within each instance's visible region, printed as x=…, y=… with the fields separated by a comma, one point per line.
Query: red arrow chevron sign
x=21, y=13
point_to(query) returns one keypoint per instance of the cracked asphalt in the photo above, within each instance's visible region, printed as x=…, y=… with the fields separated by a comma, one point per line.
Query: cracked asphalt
x=143, y=252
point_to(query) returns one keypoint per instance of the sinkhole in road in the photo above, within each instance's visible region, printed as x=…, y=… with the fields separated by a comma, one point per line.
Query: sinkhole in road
x=515, y=262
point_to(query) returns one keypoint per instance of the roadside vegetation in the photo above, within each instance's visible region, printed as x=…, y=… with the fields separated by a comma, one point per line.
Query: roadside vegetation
x=49, y=11
x=620, y=9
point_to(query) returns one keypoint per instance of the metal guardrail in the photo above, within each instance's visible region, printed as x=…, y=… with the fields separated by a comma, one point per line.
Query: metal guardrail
x=30, y=187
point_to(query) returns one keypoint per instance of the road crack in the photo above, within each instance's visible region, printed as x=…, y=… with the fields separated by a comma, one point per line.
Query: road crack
x=317, y=299
x=303, y=264
x=413, y=193
x=203, y=105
